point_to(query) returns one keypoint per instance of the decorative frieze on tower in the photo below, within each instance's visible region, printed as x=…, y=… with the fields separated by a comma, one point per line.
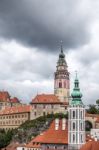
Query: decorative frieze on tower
x=76, y=119
x=61, y=79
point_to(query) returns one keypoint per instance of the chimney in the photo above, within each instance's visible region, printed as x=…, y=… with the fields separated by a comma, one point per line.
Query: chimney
x=96, y=138
x=56, y=124
x=63, y=124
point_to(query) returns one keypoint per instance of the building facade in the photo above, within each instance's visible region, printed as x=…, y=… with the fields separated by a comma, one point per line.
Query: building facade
x=7, y=101
x=13, y=117
x=76, y=120
x=55, y=137
x=44, y=104
x=61, y=79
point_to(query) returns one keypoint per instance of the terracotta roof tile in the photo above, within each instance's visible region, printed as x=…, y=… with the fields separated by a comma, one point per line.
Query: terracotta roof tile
x=52, y=136
x=33, y=145
x=91, y=115
x=15, y=100
x=46, y=98
x=16, y=109
x=4, y=96
x=92, y=145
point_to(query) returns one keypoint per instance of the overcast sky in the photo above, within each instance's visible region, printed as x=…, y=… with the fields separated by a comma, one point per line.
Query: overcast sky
x=30, y=35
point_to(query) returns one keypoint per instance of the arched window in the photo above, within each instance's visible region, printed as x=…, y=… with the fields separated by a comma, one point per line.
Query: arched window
x=73, y=125
x=60, y=84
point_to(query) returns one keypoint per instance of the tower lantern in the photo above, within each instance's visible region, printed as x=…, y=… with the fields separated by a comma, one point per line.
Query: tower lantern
x=76, y=119
x=61, y=79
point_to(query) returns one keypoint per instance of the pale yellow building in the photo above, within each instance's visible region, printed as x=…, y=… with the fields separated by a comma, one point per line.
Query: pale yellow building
x=13, y=117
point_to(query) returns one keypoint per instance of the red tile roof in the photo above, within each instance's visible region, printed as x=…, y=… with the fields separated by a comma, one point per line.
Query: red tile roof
x=15, y=100
x=33, y=145
x=4, y=96
x=52, y=136
x=91, y=115
x=46, y=98
x=13, y=146
x=92, y=145
x=16, y=109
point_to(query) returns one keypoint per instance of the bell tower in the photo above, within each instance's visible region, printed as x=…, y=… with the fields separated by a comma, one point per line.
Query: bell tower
x=76, y=119
x=61, y=79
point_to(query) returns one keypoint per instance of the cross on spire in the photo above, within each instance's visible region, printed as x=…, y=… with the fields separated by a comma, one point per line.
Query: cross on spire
x=76, y=73
x=61, y=46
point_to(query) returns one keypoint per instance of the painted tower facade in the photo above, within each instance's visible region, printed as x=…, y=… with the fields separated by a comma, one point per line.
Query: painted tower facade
x=61, y=79
x=76, y=120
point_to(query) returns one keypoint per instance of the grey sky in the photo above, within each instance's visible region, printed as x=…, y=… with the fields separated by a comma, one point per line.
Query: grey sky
x=30, y=32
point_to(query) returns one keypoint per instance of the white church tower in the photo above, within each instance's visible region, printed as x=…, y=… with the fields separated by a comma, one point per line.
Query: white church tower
x=76, y=120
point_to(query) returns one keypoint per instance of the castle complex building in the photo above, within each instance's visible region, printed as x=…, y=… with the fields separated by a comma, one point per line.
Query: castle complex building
x=76, y=120
x=7, y=101
x=61, y=79
x=43, y=104
x=13, y=117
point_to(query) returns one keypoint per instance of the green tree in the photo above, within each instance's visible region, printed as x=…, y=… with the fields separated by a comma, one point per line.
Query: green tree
x=92, y=109
x=97, y=102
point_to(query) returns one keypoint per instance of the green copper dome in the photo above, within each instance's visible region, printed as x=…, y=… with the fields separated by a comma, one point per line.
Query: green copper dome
x=76, y=94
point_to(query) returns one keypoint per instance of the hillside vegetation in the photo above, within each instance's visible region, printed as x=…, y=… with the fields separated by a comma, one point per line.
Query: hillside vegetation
x=27, y=130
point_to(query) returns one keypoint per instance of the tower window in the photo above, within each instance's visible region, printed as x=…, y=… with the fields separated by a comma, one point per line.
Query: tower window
x=81, y=126
x=73, y=114
x=73, y=138
x=81, y=115
x=60, y=84
x=73, y=125
x=81, y=138
x=64, y=84
x=76, y=85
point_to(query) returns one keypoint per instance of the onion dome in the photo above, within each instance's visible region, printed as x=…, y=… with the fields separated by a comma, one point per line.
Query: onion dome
x=76, y=94
x=61, y=60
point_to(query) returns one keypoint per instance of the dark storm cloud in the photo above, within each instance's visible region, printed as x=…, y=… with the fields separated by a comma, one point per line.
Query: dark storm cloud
x=44, y=23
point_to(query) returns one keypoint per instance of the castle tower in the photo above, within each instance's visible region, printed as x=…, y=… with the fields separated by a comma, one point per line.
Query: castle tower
x=76, y=119
x=61, y=79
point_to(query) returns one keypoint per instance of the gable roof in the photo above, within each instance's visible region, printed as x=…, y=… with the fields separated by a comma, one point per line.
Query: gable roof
x=4, y=96
x=46, y=98
x=14, y=100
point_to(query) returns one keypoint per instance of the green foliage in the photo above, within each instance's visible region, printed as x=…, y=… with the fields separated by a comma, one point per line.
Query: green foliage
x=92, y=109
x=28, y=130
x=97, y=101
x=5, y=137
